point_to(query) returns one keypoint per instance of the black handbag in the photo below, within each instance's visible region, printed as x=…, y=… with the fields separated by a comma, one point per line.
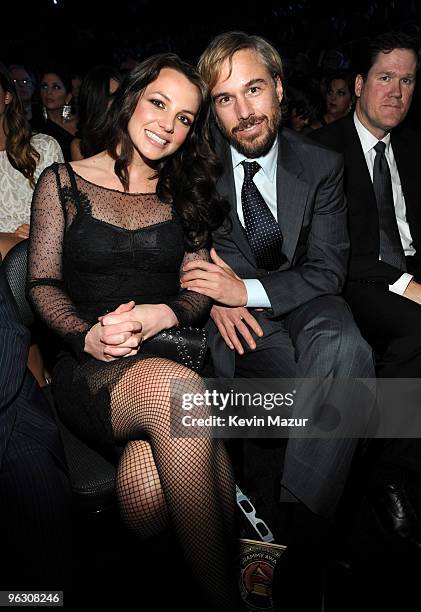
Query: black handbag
x=186, y=345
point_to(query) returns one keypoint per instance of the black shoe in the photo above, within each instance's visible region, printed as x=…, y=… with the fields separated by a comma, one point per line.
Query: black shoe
x=396, y=514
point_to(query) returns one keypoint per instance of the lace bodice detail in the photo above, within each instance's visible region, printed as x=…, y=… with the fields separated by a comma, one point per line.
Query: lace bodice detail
x=92, y=248
x=15, y=190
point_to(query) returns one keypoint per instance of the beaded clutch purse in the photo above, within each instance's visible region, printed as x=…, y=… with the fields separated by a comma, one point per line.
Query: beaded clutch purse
x=186, y=345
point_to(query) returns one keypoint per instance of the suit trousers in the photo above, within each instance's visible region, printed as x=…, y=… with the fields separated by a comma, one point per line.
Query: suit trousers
x=392, y=325
x=319, y=340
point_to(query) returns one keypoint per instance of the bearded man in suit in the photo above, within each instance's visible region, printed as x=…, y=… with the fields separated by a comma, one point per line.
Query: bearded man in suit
x=279, y=264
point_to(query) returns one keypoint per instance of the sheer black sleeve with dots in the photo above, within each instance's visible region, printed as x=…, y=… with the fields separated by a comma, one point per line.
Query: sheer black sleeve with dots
x=189, y=307
x=46, y=288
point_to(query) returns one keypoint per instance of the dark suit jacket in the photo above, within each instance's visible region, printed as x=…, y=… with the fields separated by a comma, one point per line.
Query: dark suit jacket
x=342, y=137
x=20, y=396
x=312, y=217
x=14, y=343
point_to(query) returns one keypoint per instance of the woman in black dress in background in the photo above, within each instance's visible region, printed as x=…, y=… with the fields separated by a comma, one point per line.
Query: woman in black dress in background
x=109, y=236
x=56, y=97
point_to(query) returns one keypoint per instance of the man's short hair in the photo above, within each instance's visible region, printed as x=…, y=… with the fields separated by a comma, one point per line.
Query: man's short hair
x=225, y=45
x=385, y=43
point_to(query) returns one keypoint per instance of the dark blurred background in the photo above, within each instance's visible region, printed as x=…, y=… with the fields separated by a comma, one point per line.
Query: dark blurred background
x=85, y=33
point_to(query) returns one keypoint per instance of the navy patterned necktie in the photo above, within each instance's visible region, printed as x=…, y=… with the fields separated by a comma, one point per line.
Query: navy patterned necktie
x=262, y=229
x=391, y=250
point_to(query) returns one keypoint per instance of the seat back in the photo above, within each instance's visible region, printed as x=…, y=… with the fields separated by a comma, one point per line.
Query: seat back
x=15, y=267
x=91, y=475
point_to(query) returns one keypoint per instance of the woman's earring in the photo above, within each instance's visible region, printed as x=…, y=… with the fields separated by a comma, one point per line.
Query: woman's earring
x=66, y=113
x=44, y=113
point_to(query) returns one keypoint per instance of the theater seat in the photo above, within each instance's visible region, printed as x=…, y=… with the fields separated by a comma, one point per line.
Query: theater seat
x=92, y=477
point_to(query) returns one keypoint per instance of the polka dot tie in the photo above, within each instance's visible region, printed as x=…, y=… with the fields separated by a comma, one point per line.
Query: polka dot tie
x=262, y=229
x=391, y=250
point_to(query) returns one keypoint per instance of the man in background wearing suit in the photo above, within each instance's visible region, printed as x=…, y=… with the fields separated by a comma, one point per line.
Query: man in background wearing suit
x=35, y=494
x=383, y=191
x=288, y=246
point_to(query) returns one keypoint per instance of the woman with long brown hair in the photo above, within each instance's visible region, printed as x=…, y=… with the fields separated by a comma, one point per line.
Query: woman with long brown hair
x=110, y=235
x=23, y=157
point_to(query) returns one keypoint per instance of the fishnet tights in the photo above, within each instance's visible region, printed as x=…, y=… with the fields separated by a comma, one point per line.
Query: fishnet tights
x=184, y=481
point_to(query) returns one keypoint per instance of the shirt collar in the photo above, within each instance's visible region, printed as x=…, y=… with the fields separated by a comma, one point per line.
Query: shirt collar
x=368, y=141
x=267, y=162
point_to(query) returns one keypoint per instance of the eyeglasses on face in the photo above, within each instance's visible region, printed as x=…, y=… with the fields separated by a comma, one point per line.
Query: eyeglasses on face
x=26, y=82
x=249, y=511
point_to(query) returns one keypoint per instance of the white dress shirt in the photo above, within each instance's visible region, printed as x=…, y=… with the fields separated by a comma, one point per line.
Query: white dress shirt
x=265, y=181
x=368, y=142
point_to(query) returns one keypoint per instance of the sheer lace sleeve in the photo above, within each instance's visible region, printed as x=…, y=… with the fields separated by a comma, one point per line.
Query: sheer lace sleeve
x=45, y=282
x=189, y=307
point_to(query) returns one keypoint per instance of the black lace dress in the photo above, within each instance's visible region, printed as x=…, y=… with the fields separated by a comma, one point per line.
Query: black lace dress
x=93, y=248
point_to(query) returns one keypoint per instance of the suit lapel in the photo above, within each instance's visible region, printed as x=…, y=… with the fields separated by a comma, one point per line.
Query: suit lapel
x=226, y=188
x=292, y=193
x=354, y=155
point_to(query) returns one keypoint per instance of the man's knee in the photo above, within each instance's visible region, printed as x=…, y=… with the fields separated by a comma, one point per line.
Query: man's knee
x=335, y=338
x=355, y=353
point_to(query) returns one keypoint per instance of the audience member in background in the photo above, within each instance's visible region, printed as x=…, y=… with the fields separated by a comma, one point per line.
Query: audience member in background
x=95, y=98
x=338, y=99
x=26, y=84
x=332, y=60
x=22, y=159
x=56, y=99
x=303, y=104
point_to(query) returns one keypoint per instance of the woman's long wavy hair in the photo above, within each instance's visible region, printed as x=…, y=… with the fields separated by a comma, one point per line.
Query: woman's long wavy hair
x=187, y=179
x=94, y=99
x=20, y=153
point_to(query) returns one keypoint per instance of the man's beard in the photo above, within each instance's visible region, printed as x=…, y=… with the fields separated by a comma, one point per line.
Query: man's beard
x=260, y=146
